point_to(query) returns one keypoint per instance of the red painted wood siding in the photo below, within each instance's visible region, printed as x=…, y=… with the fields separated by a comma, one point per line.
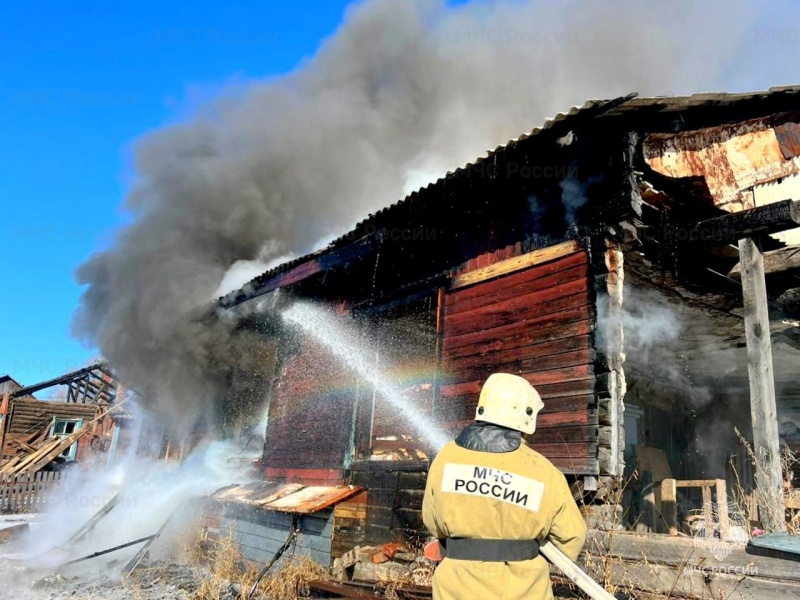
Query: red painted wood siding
x=537, y=323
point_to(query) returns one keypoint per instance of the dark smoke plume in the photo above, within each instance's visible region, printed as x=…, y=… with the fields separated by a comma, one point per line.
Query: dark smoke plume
x=403, y=91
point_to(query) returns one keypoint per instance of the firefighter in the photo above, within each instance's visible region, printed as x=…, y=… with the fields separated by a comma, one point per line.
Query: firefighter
x=489, y=498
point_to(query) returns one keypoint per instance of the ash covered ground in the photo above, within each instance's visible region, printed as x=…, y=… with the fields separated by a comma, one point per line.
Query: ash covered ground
x=159, y=581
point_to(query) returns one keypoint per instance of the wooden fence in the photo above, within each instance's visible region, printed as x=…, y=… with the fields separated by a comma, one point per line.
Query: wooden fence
x=26, y=492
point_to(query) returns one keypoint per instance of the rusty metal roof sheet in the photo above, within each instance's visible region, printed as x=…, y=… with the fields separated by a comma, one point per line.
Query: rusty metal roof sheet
x=286, y=497
x=616, y=107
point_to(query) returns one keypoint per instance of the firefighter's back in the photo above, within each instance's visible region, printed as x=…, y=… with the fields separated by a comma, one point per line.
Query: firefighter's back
x=517, y=495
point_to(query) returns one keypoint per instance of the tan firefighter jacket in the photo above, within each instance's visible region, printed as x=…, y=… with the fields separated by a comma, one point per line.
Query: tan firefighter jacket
x=514, y=495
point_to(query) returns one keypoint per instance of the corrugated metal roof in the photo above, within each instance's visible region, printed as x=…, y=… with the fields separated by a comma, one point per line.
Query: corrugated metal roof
x=621, y=106
x=589, y=105
x=682, y=103
x=286, y=497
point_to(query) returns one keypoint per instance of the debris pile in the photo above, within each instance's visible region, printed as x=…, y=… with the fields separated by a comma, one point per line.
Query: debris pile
x=37, y=450
x=396, y=569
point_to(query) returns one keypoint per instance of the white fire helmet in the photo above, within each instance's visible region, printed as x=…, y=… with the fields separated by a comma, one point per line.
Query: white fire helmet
x=510, y=401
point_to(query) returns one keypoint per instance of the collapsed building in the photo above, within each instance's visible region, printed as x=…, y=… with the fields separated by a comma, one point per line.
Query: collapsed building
x=40, y=438
x=635, y=259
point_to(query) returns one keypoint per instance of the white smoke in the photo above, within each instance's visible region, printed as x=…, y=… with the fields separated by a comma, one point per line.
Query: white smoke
x=147, y=491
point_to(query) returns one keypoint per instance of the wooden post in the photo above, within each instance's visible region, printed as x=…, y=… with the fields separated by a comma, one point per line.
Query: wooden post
x=763, y=411
x=5, y=415
x=669, y=505
x=722, y=510
x=708, y=511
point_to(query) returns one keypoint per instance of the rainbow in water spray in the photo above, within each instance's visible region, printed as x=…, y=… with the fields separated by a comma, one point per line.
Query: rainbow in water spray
x=344, y=344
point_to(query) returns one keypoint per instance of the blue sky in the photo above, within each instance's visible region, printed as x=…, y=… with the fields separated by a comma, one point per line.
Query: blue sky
x=81, y=82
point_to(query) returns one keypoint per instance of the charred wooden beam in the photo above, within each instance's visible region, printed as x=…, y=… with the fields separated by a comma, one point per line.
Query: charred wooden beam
x=319, y=263
x=789, y=302
x=775, y=261
x=762, y=220
x=610, y=387
x=66, y=379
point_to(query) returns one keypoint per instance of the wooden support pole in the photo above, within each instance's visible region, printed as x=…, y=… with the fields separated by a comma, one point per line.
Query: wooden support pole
x=669, y=505
x=708, y=512
x=5, y=415
x=722, y=510
x=763, y=411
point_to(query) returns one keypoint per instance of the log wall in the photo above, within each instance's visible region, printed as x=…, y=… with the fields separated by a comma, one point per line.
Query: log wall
x=536, y=322
x=28, y=416
x=393, y=499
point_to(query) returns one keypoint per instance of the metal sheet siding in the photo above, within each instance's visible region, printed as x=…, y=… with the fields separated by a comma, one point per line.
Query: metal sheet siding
x=259, y=534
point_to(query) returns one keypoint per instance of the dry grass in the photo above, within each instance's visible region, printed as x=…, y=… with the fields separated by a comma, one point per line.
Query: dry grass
x=605, y=569
x=742, y=497
x=228, y=571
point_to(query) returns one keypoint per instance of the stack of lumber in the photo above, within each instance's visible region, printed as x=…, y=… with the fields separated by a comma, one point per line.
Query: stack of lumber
x=27, y=444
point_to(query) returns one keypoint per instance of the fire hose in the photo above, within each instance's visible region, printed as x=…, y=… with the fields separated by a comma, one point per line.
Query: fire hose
x=575, y=574
x=588, y=585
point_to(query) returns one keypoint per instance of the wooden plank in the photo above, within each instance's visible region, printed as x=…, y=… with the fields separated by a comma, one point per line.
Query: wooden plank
x=553, y=412
x=32, y=458
x=577, y=416
x=542, y=368
x=566, y=434
x=537, y=327
x=762, y=220
x=564, y=389
x=682, y=551
x=521, y=335
x=576, y=450
x=301, y=474
x=763, y=411
x=510, y=265
x=583, y=374
x=775, y=261
x=577, y=466
x=697, y=483
x=533, y=352
x=708, y=514
x=696, y=582
x=523, y=288
x=722, y=510
x=516, y=310
x=343, y=590
x=669, y=505
x=324, y=262
x=492, y=288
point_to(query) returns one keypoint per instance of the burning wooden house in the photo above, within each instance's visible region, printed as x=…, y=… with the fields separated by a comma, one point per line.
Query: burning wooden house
x=636, y=259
